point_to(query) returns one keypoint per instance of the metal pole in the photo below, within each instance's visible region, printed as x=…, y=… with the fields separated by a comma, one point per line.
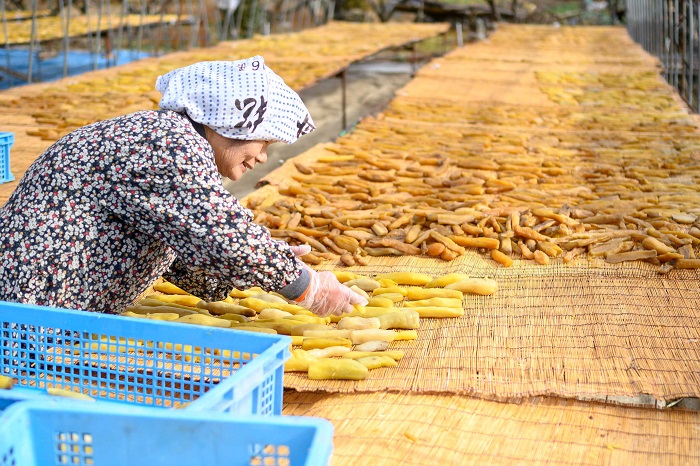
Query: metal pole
x=205, y=22
x=629, y=7
x=331, y=11
x=226, y=28
x=649, y=16
x=290, y=16
x=684, y=49
x=302, y=9
x=179, y=30
x=88, y=34
x=239, y=18
x=194, y=14
x=162, y=28
x=252, y=15
x=120, y=31
x=647, y=32
x=139, y=34
x=98, y=35
x=343, y=80
x=674, y=44
x=697, y=98
x=62, y=12
x=8, y=60
x=658, y=41
x=32, y=43
x=109, y=40
x=664, y=36
x=691, y=70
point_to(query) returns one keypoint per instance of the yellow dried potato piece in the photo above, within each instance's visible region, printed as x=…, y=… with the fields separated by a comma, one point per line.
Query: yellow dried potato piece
x=248, y=328
x=258, y=305
x=344, y=276
x=329, y=352
x=300, y=329
x=358, y=323
x=501, y=258
x=404, y=335
x=427, y=293
x=150, y=301
x=381, y=301
x=324, y=342
x=297, y=340
x=406, y=278
x=166, y=316
x=435, y=312
x=396, y=355
x=184, y=300
x=201, y=319
x=169, y=288
x=68, y=394
x=6, y=383
x=337, y=369
x=439, y=302
x=237, y=318
x=402, y=319
x=375, y=362
x=444, y=280
x=333, y=333
x=393, y=297
x=480, y=286
x=221, y=307
x=393, y=289
x=299, y=361
x=365, y=284
x=372, y=334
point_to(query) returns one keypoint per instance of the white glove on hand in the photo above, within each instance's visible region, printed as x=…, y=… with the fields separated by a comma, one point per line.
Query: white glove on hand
x=326, y=295
x=301, y=250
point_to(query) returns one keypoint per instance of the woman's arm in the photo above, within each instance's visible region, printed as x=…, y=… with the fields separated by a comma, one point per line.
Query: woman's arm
x=165, y=184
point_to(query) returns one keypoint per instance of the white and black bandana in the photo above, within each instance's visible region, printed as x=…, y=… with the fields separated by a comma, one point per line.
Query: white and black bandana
x=242, y=99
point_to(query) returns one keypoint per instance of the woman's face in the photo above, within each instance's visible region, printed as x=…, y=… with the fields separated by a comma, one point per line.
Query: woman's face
x=233, y=157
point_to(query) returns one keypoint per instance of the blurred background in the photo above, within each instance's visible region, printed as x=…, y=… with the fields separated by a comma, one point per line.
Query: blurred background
x=43, y=40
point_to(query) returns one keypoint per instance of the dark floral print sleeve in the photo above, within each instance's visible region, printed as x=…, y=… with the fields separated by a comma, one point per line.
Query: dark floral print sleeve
x=110, y=207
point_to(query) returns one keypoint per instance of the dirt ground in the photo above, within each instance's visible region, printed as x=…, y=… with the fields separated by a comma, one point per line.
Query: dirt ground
x=369, y=88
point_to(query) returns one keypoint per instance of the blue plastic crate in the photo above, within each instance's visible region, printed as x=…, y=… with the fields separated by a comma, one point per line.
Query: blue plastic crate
x=8, y=397
x=103, y=434
x=6, y=141
x=141, y=362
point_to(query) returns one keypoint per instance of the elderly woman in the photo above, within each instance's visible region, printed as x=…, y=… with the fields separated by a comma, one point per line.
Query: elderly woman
x=114, y=205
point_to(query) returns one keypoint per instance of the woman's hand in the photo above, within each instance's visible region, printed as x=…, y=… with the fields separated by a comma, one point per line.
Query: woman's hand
x=327, y=296
x=301, y=250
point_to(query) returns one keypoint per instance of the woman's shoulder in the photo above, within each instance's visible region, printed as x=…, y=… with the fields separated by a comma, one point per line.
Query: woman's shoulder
x=163, y=118
x=153, y=126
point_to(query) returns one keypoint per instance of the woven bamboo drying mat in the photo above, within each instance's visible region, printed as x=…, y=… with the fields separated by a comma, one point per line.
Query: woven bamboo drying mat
x=588, y=329
x=525, y=90
x=549, y=45
x=580, y=330
x=493, y=114
x=584, y=330
x=54, y=27
x=415, y=429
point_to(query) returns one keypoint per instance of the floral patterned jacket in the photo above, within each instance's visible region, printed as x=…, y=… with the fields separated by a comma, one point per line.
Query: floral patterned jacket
x=112, y=206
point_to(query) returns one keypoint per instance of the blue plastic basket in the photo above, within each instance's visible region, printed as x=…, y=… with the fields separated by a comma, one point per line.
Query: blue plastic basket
x=6, y=141
x=104, y=434
x=140, y=361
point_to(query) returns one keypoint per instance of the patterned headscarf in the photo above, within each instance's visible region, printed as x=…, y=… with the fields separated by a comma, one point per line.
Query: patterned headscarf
x=242, y=99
